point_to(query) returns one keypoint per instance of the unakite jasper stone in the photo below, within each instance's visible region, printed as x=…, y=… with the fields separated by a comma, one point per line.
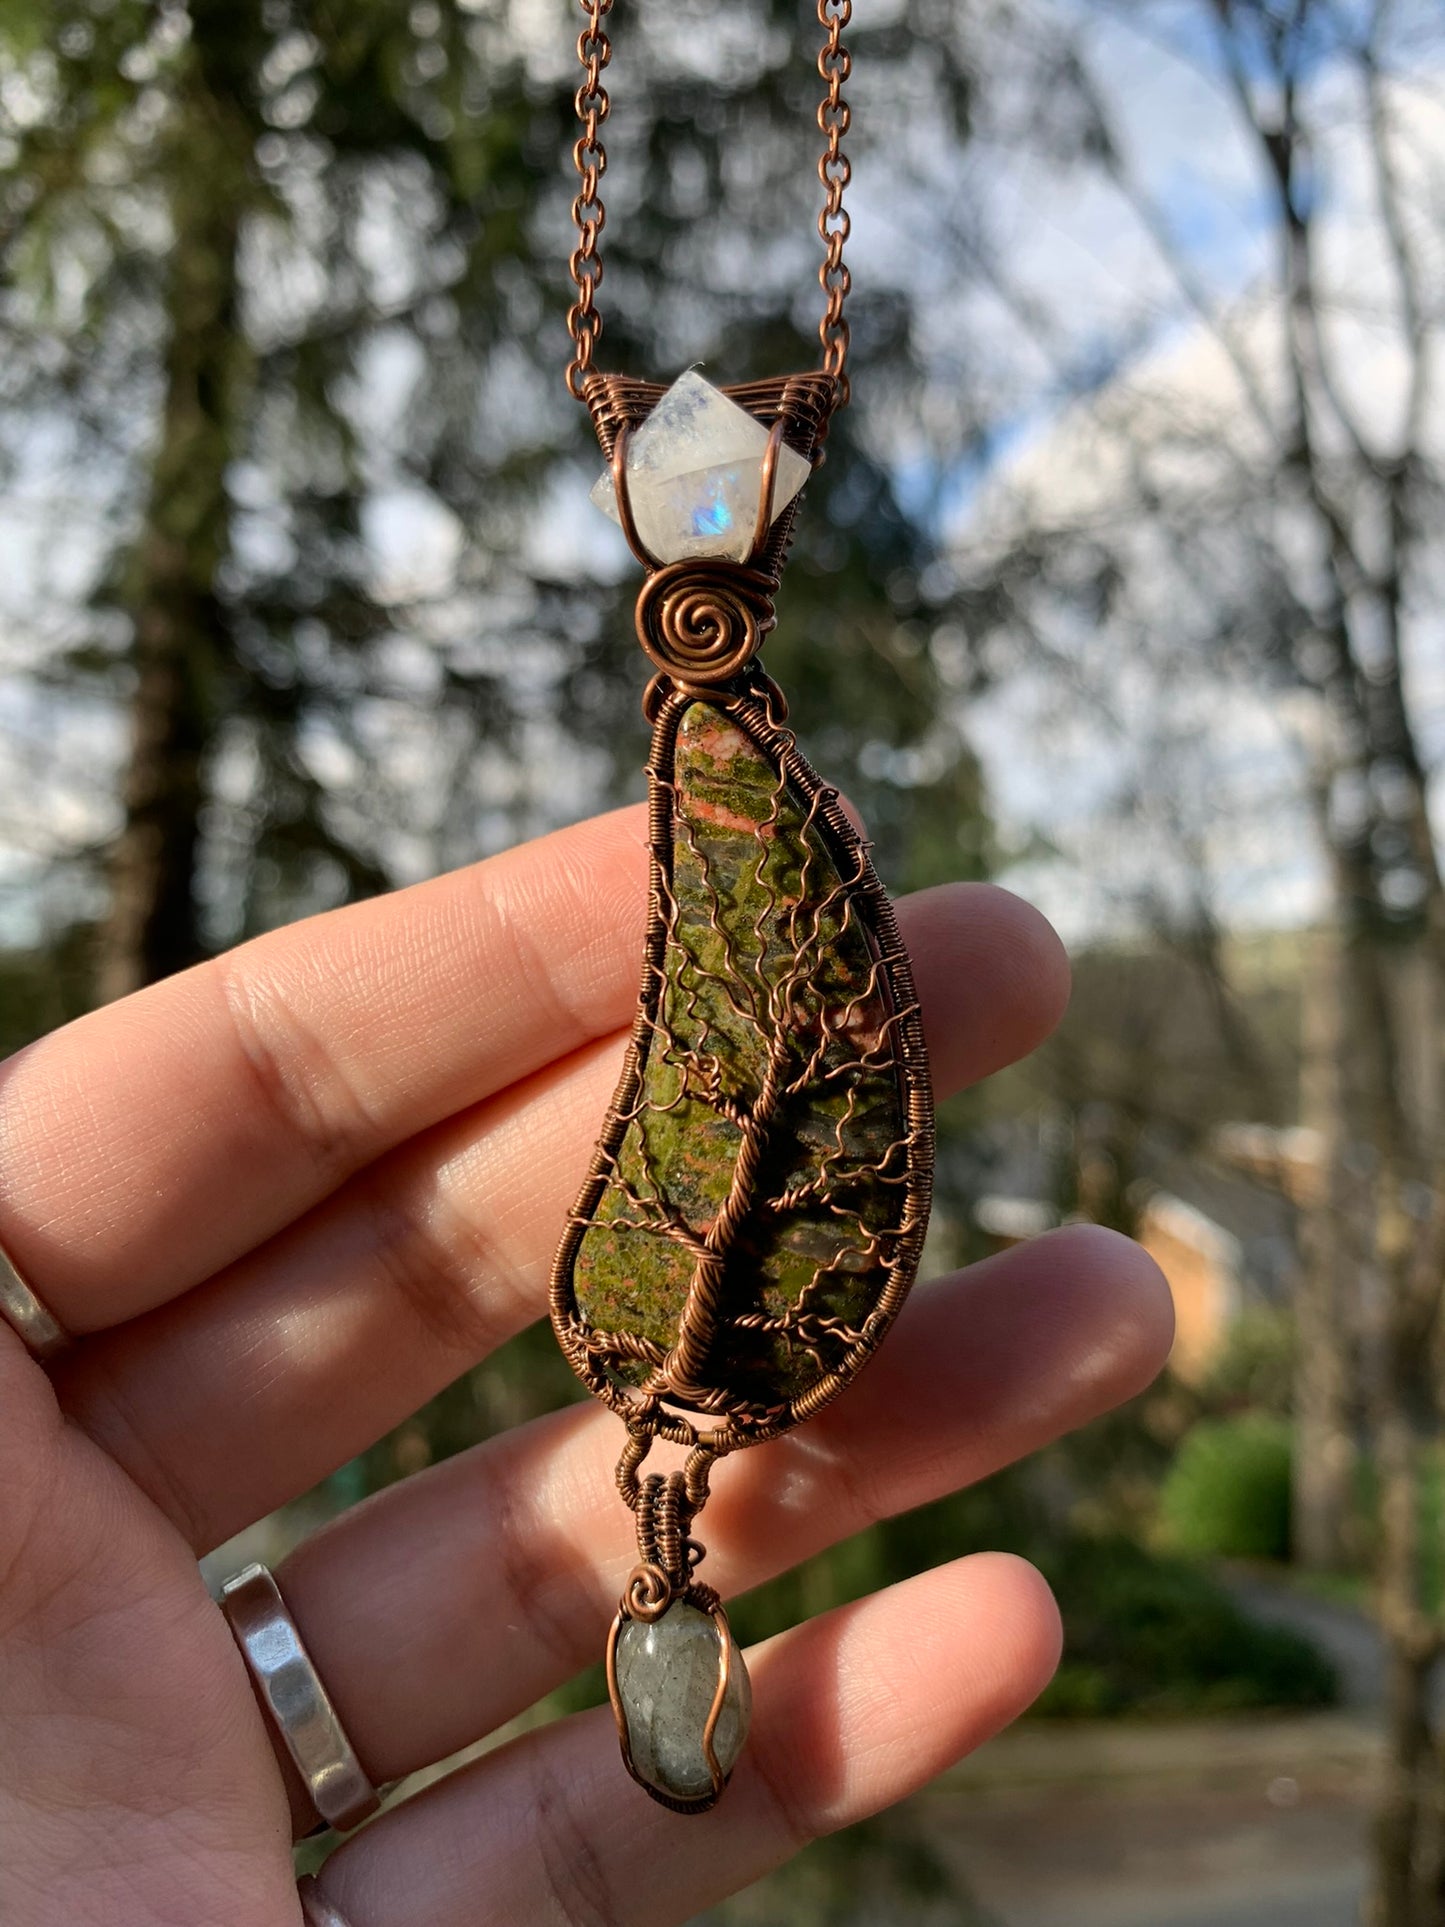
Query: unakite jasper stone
x=667, y=1679
x=771, y=1008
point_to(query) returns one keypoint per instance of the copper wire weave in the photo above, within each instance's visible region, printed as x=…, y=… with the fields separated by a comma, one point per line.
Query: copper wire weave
x=701, y=623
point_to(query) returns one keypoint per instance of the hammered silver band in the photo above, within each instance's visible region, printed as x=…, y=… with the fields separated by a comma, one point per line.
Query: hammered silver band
x=315, y=1911
x=291, y=1689
x=40, y=1331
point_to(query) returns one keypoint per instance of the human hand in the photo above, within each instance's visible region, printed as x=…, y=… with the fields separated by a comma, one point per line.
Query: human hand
x=283, y=1199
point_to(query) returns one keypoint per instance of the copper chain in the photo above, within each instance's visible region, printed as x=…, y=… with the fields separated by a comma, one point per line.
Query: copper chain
x=584, y=320
x=835, y=171
x=589, y=156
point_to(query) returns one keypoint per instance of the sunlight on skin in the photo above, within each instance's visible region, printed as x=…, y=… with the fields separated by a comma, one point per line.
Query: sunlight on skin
x=305, y=1186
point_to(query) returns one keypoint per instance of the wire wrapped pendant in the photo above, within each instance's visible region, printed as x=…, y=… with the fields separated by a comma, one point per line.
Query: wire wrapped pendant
x=754, y=1212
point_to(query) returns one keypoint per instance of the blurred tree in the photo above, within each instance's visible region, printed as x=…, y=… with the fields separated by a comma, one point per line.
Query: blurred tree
x=865, y=1875
x=168, y=580
x=1252, y=505
x=42, y=989
x=284, y=306
x=1161, y=1045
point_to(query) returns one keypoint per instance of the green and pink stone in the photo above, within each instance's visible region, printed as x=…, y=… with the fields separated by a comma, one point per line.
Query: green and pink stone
x=768, y=954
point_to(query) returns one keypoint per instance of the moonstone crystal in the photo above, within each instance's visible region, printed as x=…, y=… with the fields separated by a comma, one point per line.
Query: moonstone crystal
x=694, y=475
x=667, y=1675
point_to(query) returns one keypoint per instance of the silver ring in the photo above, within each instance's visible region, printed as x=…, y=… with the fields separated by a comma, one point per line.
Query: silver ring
x=40, y=1331
x=299, y=1704
x=315, y=1911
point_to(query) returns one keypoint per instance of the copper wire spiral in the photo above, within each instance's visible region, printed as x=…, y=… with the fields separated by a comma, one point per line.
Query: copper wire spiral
x=702, y=621
x=648, y=1593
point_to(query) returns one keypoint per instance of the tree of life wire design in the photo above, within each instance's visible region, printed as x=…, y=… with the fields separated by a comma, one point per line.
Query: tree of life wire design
x=778, y=1015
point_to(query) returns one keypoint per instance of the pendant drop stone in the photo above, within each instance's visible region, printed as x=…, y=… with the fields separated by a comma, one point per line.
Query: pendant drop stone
x=667, y=1675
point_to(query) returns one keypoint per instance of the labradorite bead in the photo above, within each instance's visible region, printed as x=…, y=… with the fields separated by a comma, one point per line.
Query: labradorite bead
x=667, y=1676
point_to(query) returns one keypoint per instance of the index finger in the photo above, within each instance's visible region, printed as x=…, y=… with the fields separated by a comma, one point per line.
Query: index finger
x=149, y=1144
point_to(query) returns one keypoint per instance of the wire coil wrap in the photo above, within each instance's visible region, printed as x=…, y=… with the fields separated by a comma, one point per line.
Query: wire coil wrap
x=702, y=621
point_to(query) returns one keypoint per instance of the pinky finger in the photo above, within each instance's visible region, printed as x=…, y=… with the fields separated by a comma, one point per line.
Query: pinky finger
x=854, y=1710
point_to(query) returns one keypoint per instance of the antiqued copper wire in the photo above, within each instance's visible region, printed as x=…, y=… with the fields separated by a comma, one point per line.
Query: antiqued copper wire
x=711, y=660
x=589, y=216
x=719, y=1700
x=701, y=621
x=648, y=1592
x=622, y=495
x=767, y=486
x=796, y=406
x=703, y=660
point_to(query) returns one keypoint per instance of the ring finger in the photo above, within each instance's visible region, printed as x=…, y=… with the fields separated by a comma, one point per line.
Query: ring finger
x=446, y=1605
x=854, y=1710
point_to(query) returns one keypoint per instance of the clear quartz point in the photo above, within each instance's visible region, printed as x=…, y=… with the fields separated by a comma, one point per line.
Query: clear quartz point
x=694, y=475
x=667, y=1674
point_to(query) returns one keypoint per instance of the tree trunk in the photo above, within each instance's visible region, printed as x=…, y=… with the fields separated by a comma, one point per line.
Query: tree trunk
x=1396, y=1900
x=1324, y=1449
x=178, y=651
x=1401, y=1896
x=1405, y=1412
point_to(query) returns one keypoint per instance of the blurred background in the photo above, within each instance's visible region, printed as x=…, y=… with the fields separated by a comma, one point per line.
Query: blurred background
x=1122, y=585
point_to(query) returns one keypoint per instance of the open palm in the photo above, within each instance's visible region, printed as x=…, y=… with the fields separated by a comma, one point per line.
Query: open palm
x=282, y=1200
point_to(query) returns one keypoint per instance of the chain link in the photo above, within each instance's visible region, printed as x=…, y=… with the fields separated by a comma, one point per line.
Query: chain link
x=835, y=171
x=589, y=156
x=584, y=320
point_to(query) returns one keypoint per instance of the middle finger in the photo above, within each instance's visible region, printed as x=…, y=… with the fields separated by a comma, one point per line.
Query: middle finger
x=226, y=1403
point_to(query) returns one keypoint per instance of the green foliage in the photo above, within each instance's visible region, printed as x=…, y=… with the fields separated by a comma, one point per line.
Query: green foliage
x=1149, y=1635
x=1143, y=1634
x=884, y=1869
x=1228, y=1491
x=523, y=1379
x=42, y=989
x=1114, y=1468
x=1256, y=1367
x=1429, y=1525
